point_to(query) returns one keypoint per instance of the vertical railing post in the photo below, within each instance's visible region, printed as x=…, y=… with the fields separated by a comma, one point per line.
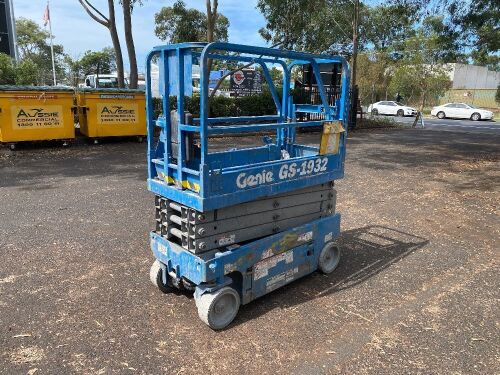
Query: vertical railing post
x=150, y=117
x=204, y=75
x=166, y=112
x=180, y=117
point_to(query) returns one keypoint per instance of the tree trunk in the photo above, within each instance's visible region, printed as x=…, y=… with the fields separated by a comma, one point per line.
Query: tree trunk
x=422, y=101
x=127, y=19
x=355, y=29
x=110, y=23
x=116, y=44
x=211, y=20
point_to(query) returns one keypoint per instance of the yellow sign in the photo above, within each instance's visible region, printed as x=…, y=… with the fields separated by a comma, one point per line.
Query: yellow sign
x=119, y=113
x=330, y=138
x=36, y=117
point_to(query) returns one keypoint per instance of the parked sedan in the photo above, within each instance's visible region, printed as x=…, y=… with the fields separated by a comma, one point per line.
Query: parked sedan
x=461, y=110
x=391, y=108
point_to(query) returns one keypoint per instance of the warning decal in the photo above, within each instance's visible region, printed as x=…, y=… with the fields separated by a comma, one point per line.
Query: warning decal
x=261, y=269
x=37, y=117
x=111, y=113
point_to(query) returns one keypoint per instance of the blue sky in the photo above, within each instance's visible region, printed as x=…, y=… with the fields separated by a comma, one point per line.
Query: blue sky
x=74, y=29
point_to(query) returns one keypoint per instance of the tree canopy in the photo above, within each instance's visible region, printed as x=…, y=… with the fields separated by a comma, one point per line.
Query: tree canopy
x=34, y=46
x=177, y=24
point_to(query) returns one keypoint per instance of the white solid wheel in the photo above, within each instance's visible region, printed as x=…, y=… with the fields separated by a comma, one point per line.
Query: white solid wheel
x=156, y=277
x=329, y=258
x=218, y=309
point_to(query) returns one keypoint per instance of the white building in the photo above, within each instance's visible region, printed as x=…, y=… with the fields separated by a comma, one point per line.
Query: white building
x=472, y=77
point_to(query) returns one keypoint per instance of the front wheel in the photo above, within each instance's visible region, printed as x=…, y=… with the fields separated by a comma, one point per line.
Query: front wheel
x=475, y=116
x=440, y=115
x=401, y=113
x=329, y=258
x=218, y=309
x=374, y=112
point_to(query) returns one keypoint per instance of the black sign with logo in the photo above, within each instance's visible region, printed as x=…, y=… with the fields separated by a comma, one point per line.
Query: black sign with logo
x=246, y=82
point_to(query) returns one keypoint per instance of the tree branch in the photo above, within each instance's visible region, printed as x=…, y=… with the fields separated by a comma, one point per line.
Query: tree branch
x=89, y=8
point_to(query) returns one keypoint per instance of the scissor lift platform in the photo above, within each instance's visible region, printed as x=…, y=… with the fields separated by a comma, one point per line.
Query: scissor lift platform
x=233, y=225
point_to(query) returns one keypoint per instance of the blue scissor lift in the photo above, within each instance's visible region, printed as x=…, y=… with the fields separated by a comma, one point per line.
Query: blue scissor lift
x=233, y=225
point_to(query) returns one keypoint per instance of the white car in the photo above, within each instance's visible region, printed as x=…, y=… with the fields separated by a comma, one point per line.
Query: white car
x=461, y=110
x=391, y=108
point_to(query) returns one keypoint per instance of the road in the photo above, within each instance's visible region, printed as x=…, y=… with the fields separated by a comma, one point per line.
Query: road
x=416, y=291
x=463, y=126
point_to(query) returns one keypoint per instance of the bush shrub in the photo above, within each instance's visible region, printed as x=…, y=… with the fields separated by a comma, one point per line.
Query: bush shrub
x=220, y=106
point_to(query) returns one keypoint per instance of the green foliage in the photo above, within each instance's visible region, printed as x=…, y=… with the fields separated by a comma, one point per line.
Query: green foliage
x=497, y=95
x=420, y=73
x=92, y=62
x=374, y=76
x=314, y=26
x=385, y=26
x=26, y=73
x=103, y=61
x=177, y=24
x=34, y=45
x=221, y=106
x=478, y=23
x=465, y=31
x=7, y=70
x=447, y=43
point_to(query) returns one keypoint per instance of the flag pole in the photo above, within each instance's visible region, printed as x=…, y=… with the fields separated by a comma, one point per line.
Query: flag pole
x=52, y=47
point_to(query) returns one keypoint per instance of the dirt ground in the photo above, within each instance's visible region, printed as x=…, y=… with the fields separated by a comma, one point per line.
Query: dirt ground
x=416, y=291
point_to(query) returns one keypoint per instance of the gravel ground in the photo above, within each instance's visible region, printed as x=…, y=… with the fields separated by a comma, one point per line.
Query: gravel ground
x=416, y=291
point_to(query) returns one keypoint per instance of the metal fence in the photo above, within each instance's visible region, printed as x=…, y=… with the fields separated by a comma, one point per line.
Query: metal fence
x=479, y=97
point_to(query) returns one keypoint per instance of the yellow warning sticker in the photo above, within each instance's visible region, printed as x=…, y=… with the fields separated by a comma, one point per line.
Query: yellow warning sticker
x=114, y=113
x=37, y=117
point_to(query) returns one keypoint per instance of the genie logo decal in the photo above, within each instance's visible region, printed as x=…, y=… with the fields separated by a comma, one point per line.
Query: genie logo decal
x=112, y=113
x=33, y=118
x=287, y=171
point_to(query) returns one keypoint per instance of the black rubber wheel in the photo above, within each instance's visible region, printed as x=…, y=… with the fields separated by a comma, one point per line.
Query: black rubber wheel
x=140, y=139
x=475, y=116
x=440, y=115
x=329, y=258
x=374, y=112
x=12, y=147
x=401, y=113
x=155, y=275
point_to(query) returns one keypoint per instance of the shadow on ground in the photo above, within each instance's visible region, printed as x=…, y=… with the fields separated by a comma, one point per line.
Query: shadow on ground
x=366, y=252
x=40, y=165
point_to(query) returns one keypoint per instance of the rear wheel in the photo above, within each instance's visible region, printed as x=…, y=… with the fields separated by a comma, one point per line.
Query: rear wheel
x=440, y=115
x=374, y=112
x=475, y=116
x=218, y=309
x=156, y=277
x=401, y=113
x=329, y=258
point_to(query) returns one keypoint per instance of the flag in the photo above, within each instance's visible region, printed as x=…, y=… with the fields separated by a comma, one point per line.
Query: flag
x=46, y=16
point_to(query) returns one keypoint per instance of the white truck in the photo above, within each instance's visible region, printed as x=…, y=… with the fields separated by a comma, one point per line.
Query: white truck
x=95, y=81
